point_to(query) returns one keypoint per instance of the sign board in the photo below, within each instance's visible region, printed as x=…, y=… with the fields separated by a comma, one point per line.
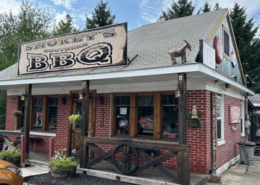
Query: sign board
x=209, y=57
x=234, y=114
x=99, y=47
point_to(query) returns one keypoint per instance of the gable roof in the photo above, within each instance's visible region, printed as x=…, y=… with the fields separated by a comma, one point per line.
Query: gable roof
x=151, y=43
x=255, y=100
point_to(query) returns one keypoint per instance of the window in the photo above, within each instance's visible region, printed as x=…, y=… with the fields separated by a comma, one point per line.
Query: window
x=170, y=116
x=145, y=114
x=242, y=118
x=220, y=120
x=122, y=114
x=226, y=42
x=52, y=113
x=38, y=107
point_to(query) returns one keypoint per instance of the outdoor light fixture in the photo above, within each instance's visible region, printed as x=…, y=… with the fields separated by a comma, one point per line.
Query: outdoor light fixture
x=23, y=97
x=227, y=86
x=63, y=100
x=100, y=100
x=178, y=91
x=82, y=93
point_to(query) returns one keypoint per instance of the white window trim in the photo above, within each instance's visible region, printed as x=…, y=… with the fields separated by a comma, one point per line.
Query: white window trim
x=221, y=141
x=243, y=118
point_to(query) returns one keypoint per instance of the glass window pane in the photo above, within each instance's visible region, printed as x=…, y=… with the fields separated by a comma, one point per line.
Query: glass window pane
x=219, y=129
x=145, y=100
x=52, y=117
x=38, y=116
x=226, y=43
x=170, y=121
x=145, y=120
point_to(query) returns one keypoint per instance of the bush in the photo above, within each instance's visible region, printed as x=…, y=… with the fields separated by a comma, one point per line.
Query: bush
x=61, y=160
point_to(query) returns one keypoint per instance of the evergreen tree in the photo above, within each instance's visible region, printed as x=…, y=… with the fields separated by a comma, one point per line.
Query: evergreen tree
x=65, y=27
x=216, y=7
x=101, y=16
x=249, y=47
x=206, y=8
x=31, y=23
x=181, y=8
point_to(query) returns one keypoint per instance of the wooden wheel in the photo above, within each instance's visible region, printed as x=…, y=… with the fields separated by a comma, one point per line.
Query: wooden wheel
x=126, y=159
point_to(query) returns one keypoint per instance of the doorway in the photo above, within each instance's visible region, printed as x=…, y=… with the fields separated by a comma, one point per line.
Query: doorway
x=76, y=132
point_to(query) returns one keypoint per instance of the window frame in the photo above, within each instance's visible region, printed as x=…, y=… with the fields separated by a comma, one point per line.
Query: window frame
x=221, y=140
x=225, y=30
x=242, y=118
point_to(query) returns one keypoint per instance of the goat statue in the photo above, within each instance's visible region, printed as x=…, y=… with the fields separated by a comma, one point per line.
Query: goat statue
x=179, y=52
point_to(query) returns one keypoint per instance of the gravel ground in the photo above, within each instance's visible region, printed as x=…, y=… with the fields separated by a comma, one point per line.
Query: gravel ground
x=79, y=179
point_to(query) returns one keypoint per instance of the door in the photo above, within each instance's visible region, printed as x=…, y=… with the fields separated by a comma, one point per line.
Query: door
x=76, y=133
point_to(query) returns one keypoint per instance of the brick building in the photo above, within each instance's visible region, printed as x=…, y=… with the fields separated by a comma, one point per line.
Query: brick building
x=138, y=99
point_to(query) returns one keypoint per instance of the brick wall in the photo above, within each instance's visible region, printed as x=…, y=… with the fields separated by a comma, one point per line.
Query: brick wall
x=11, y=105
x=230, y=149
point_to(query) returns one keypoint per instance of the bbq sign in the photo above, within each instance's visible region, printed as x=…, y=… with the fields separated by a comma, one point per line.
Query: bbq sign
x=93, y=48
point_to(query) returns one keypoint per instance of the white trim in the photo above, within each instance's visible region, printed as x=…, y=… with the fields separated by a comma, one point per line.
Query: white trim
x=43, y=134
x=256, y=104
x=224, y=167
x=221, y=142
x=243, y=134
x=188, y=68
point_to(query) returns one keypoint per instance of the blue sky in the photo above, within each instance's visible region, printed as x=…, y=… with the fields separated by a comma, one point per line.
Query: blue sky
x=135, y=12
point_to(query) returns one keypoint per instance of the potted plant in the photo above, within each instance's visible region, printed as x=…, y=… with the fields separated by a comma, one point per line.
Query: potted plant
x=74, y=119
x=17, y=113
x=63, y=166
x=11, y=154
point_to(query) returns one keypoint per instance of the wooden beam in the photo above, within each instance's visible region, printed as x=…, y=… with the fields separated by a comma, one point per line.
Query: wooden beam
x=133, y=116
x=27, y=118
x=157, y=117
x=84, y=123
x=182, y=80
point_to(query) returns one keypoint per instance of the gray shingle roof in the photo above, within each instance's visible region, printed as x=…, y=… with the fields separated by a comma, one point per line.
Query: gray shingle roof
x=255, y=99
x=151, y=42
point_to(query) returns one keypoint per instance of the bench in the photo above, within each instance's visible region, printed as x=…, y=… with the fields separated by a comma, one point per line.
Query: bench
x=248, y=159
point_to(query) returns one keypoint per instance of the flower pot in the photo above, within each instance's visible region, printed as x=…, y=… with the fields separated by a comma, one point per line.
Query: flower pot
x=194, y=123
x=61, y=172
x=13, y=160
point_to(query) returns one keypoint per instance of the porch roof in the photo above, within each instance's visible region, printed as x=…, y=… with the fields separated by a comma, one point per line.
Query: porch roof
x=255, y=100
x=151, y=43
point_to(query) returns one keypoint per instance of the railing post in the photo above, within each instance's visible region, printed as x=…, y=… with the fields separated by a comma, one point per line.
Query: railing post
x=186, y=167
x=22, y=151
x=51, y=148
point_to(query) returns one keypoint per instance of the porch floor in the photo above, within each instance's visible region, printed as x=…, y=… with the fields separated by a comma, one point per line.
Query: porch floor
x=105, y=170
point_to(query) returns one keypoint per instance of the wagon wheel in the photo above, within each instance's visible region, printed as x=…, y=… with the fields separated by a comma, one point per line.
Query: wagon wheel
x=126, y=159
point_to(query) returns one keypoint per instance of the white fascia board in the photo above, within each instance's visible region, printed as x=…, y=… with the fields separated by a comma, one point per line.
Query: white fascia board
x=218, y=76
x=188, y=68
x=256, y=104
x=100, y=76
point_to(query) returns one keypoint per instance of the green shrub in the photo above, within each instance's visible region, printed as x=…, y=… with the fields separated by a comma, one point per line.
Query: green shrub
x=10, y=154
x=61, y=160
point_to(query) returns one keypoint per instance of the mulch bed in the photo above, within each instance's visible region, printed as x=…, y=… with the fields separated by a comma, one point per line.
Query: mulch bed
x=79, y=179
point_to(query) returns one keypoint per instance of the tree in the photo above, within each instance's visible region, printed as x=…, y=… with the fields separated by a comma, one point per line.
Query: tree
x=181, y=8
x=31, y=23
x=249, y=46
x=216, y=7
x=65, y=27
x=101, y=16
x=206, y=8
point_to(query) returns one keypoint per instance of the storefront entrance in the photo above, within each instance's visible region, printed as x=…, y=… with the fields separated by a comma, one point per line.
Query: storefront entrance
x=76, y=133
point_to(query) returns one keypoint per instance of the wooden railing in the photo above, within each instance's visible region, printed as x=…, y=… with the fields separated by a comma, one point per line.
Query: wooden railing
x=128, y=152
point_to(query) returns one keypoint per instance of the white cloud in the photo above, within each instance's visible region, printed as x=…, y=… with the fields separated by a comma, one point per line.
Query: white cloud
x=150, y=10
x=8, y=5
x=66, y=3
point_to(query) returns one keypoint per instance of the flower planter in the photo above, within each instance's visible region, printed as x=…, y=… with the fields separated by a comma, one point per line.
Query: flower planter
x=61, y=172
x=13, y=160
x=194, y=123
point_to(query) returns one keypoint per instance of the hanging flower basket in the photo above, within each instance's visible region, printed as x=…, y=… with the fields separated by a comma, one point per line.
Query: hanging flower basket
x=194, y=121
x=74, y=119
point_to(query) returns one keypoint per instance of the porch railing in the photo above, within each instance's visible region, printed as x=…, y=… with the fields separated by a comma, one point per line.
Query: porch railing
x=132, y=151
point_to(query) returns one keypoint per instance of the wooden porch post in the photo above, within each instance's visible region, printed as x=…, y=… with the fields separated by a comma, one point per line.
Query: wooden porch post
x=182, y=156
x=84, y=123
x=26, y=118
x=182, y=81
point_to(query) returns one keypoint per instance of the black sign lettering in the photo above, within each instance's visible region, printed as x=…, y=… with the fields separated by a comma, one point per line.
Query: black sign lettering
x=99, y=53
x=37, y=62
x=109, y=33
x=62, y=60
